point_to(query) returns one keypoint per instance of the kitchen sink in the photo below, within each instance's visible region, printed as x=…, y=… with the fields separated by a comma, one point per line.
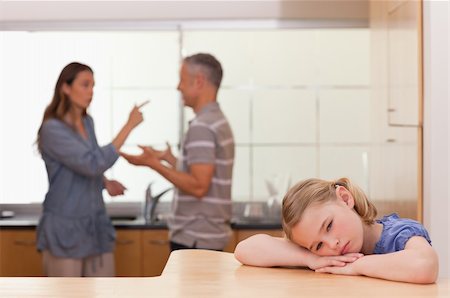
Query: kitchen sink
x=123, y=217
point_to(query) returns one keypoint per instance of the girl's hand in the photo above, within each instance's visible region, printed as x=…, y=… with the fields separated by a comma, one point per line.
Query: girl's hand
x=318, y=262
x=136, y=117
x=347, y=269
x=114, y=187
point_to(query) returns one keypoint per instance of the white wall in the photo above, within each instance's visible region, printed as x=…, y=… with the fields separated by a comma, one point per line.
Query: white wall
x=303, y=88
x=437, y=128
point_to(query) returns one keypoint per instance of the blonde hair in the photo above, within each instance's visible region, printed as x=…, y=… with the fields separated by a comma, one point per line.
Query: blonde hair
x=318, y=191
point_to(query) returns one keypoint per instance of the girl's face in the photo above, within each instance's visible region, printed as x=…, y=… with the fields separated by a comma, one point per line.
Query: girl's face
x=82, y=89
x=332, y=228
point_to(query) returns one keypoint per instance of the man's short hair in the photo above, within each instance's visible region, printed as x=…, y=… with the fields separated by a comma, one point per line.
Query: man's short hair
x=208, y=65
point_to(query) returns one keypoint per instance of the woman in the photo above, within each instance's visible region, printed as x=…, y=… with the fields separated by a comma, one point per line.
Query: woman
x=74, y=233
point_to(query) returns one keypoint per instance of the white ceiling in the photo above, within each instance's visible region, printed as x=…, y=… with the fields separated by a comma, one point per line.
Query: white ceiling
x=32, y=11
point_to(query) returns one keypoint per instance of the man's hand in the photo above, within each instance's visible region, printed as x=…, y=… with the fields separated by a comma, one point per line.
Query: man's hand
x=166, y=155
x=148, y=157
x=318, y=263
x=114, y=187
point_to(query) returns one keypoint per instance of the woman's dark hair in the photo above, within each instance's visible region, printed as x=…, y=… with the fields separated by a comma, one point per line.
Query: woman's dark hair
x=61, y=104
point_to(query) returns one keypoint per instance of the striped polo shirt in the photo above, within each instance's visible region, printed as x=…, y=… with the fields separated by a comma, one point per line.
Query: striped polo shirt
x=205, y=222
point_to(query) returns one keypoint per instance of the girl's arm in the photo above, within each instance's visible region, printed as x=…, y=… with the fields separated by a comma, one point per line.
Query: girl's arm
x=417, y=263
x=266, y=251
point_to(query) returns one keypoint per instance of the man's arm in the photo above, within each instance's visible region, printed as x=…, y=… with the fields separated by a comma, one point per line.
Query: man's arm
x=196, y=182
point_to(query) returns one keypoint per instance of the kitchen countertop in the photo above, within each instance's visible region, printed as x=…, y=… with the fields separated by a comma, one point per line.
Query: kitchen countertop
x=28, y=221
x=200, y=273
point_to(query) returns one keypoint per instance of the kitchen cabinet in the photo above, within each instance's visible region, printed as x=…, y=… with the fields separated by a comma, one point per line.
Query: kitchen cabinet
x=128, y=253
x=150, y=256
x=396, y=66
x=231, y=244
x=138, y=252
x=395, y=155
x=404, y=63
x=155, y=251
x=18, y=254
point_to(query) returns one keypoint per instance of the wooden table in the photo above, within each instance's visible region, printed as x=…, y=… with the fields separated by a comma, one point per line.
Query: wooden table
x=200, y=273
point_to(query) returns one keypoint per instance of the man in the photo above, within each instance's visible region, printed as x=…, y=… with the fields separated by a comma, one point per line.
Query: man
x=202, y=202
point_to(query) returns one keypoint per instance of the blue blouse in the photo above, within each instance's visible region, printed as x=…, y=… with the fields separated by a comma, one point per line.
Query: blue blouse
x=74, y=223
x=396, y=232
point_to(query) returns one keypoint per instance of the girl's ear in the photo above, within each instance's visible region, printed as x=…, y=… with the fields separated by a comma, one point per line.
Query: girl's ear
x=345, y=196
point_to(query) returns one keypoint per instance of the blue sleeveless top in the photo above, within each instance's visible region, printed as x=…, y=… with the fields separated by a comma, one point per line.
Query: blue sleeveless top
x=396, y=232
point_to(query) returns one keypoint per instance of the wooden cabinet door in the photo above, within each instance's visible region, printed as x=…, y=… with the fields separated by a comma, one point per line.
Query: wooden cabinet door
x=244, y=234
x=18, y=253
x=155, y=251
x=127, y=253
x=231, y=244
x=404, y=63
x=395, y=159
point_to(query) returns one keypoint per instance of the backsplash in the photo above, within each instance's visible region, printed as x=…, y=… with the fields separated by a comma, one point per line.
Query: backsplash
x=242, y=211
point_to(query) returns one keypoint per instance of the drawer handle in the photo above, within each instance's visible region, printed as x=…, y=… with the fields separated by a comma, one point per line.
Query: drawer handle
x=25, y=242
x=158, y=242
x=124, y=242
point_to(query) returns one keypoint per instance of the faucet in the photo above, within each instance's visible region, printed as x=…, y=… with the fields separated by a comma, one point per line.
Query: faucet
x=151, y=202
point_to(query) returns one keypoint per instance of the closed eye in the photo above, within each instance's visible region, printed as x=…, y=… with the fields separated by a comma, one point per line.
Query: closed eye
x=319, y=246
x=329, y=226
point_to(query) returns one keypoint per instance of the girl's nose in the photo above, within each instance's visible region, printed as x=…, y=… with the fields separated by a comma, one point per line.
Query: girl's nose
x=333, y=243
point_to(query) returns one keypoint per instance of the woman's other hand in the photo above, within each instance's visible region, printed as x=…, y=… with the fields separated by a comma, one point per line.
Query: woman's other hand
x=114, y=187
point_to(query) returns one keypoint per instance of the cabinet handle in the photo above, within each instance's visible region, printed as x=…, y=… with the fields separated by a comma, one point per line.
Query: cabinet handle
x=124, y=242
x=158, y=242
x=23, y=242
x=391, y=110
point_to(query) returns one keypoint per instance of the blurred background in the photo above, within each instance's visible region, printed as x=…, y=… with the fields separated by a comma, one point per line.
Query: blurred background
x=311, y=89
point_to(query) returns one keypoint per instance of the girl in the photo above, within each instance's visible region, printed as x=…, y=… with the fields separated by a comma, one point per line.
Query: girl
x=330, y=227
x=74, y=233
